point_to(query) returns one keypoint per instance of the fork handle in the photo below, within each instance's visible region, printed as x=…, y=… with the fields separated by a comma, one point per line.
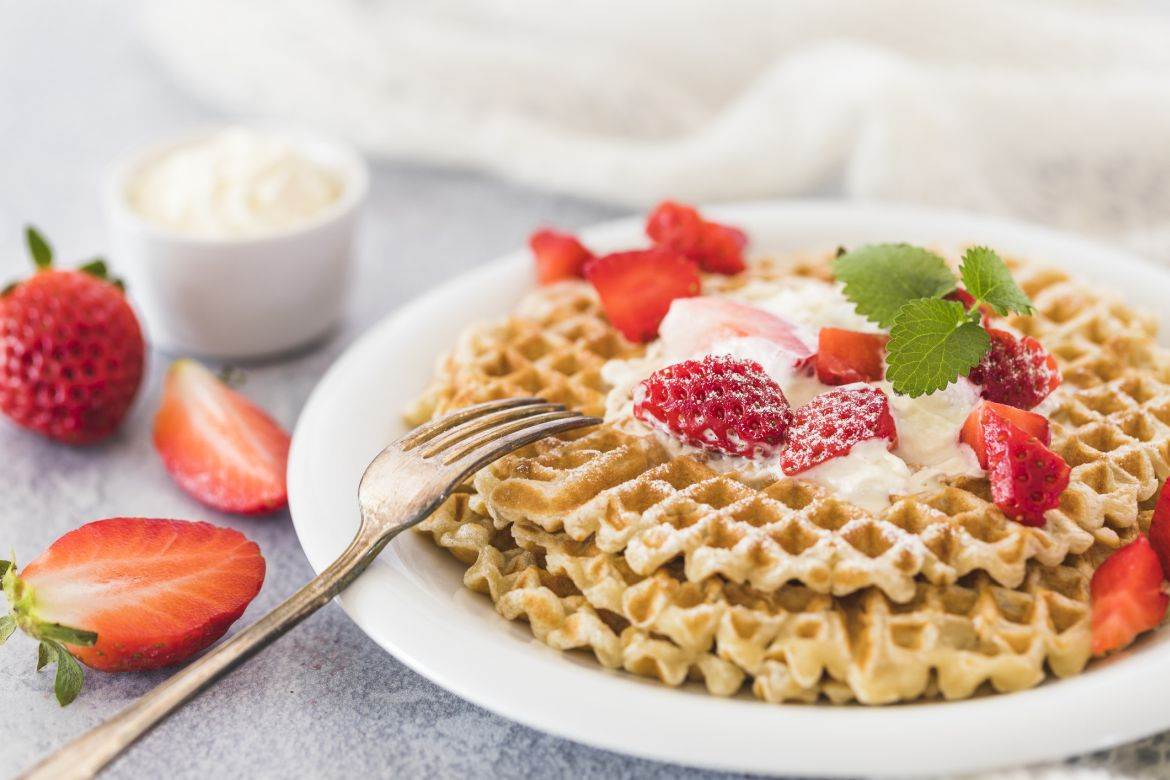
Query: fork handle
x=86, y=755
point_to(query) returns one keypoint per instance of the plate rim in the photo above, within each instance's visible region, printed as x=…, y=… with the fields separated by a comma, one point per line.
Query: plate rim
x=1100, y=685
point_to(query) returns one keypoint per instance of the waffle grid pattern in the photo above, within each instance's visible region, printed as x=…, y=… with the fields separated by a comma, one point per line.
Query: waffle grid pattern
x=662, y=566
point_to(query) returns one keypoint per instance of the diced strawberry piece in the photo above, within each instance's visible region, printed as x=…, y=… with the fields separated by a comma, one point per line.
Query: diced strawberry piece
x=830, y=424
x=1160, y=529
x=972, y=433
x=847, y=356
x=219, y=446
x=719, y=403
x=713, y=247
x=1026, y=477
x=637, y=288
x=693, y=325
x=1016, y=372
x=558, y=256
x=155, y=591
x=1127, y=597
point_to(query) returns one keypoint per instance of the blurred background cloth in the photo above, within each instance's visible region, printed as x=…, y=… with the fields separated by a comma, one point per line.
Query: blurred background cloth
x=1054, y=112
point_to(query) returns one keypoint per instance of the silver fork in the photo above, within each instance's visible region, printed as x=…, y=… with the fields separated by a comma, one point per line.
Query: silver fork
x=404, y=484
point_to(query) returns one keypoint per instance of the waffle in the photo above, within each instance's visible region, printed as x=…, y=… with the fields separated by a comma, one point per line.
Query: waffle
x=553, y=347
x=626, y=493
x=793, y=644
x=664, y=565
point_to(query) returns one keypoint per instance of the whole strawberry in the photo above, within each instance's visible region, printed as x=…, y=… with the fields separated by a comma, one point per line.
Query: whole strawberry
x=71, y=350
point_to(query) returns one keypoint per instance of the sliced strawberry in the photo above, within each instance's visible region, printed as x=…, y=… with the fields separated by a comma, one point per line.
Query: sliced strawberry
x=972, y=433
x=719, y=403
x=219, y=446
x=847, y=356
x=713, y=247
x=1160, y=529
x=132, y=593
x=558, y=256
x=637, y=288
x=1127, y=596
x=829, y=425
x=1016, y=372
x=693, y=325
x=1026, y=477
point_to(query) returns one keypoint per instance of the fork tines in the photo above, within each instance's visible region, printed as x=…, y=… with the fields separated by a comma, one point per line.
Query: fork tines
x=482, y=433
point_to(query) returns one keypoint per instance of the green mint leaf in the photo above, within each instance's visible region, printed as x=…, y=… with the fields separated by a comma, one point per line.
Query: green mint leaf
x=7, y=626
x=932, y=343
x=45, y=655
x=38, y=247
x=988, y=279
x=70, y=677
x=880, y=278
x=70, y=636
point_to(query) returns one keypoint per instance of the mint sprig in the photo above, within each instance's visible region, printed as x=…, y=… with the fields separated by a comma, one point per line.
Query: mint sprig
x=880, y=278
x=988, y=279
x=932, y=341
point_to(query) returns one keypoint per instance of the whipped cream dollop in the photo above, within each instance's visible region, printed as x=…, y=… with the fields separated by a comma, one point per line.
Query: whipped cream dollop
x=235, y=183
x=928, y=448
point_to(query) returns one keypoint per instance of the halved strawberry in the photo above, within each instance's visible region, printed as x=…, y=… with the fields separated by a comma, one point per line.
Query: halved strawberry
x=558, y=256
x=847, y=356
x=1016, y=372
x=219, y=446
x=692, y=325
x=636, y=288
x=1160, y=529
x=972, y=433
x=1127, y=597
x=720, y=403
x=713, y=247
x=1026, y=477
x=830, y=424
x=132, y=593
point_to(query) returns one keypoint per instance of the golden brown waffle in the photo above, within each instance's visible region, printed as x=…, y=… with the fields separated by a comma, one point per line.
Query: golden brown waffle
x=553, y=347
x=793, y=644
x=663, y=566
x=630, y=497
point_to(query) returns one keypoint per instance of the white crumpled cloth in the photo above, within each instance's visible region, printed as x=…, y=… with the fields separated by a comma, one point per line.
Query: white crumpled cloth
x=1056, y=112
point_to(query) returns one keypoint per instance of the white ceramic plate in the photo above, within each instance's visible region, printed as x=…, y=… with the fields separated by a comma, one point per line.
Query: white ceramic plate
x=412, y=601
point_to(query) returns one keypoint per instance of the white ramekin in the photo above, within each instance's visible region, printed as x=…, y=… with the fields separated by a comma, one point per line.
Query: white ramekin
x=238, y=298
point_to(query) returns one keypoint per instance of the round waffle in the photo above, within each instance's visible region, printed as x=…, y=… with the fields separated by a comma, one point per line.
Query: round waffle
x=663, y=566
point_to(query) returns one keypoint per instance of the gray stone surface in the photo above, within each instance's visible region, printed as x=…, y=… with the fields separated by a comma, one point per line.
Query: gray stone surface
x=76, y=90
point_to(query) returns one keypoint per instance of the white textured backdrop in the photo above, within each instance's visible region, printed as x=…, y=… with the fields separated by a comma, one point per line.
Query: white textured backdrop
x=1057, y=112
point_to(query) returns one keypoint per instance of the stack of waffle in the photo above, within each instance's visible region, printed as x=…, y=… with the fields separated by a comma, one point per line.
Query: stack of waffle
x=662, y=566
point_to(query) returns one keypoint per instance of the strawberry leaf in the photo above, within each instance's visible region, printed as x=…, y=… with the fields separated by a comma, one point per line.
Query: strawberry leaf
x=38, y=247
x=96, y=267
x=881, y=278
x=70, y=676
x=70, y=636
x=45, y=655
x=7, y=626
x=4, y=567
x=933, y=343
x=989, y=281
